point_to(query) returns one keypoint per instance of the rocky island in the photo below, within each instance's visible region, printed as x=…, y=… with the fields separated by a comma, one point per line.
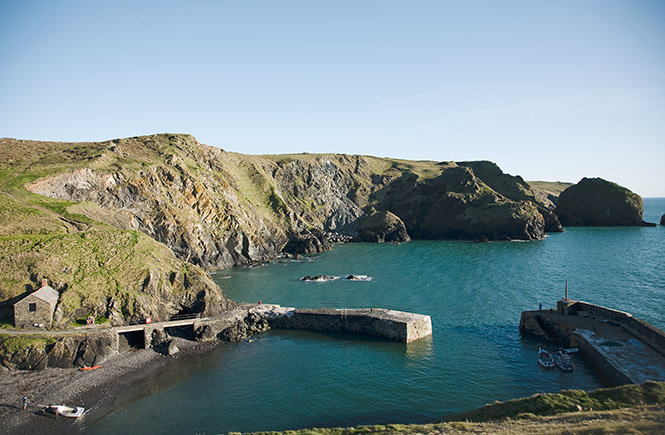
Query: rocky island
x=598, y=202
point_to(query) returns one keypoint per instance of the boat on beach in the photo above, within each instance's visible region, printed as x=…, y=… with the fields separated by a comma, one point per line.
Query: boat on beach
x=65, y=411
x=545, y=358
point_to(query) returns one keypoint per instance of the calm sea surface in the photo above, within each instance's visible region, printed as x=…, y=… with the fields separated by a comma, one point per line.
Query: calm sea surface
x=474, y=293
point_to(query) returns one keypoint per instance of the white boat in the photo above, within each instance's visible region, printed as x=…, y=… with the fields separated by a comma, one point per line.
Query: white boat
x=65, y=411
x=545, y=358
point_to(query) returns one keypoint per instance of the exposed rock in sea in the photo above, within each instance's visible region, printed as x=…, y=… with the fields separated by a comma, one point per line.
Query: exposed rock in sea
x=598, y=202
x=319, y=278
x=662, y=220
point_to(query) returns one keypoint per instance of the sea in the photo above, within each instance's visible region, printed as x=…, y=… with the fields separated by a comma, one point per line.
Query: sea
x=474, y=293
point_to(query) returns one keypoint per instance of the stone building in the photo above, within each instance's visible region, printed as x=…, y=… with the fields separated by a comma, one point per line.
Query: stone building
x=37, y=308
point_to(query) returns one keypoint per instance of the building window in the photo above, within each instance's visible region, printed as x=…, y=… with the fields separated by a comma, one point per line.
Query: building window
x=32, y=307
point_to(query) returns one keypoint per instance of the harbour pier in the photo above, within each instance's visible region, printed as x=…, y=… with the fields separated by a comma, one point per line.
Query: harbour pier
x=389, y=324
x=618, y=347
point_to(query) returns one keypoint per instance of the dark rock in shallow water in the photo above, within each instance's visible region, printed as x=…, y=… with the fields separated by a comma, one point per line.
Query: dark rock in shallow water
x=318, y=278
x=597, y=202
x=662, y=220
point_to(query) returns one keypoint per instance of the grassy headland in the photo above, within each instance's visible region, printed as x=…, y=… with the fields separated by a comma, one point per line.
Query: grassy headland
x=633, y=409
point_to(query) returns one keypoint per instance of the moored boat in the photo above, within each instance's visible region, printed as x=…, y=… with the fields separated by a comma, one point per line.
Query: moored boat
x=563, y=362
x=65, y=411
x=545, y=358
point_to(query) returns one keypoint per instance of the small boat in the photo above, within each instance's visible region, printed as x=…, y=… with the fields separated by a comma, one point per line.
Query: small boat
x=65, y=411
x=90, y=368
x=563, y=361
x=545, y=358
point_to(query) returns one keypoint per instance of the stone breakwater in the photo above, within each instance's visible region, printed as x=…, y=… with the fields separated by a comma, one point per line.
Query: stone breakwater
x=380, y=322
x=620, y=348
x=79, y=349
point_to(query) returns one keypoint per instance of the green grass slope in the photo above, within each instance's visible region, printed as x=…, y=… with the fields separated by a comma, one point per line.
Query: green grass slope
x=97, y=268
x=629, y=409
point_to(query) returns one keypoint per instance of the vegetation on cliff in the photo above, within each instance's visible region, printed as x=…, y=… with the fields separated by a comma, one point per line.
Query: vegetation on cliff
x=98, y=269
x=124, y=228
x=598, y=202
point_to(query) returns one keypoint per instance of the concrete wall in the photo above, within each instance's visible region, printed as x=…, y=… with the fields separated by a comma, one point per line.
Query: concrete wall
x=394, y=325
x=24, y=318
x=549, y=327
x=603, y=367
x=648, y=333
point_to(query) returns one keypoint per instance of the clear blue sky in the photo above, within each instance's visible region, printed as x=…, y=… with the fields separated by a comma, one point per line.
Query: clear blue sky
x=550, y=90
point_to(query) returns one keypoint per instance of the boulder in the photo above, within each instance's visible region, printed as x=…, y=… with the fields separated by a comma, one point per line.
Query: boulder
x=159, y=336
x=93, y=351
x=234, y=333
x=381, y=226
x=662, y=220
x=205, y=333
x=598, y=202
x=172, y=348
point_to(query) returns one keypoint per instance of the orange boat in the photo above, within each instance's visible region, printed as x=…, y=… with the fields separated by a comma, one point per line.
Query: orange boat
x=90, y=368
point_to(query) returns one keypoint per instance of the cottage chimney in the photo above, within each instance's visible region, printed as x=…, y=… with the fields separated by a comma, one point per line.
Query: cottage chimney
x=44, y=282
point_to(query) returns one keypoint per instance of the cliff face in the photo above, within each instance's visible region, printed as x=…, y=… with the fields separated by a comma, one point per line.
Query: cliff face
x=123, y=228
x=218, y=209
x=597, y=202
x=104, y=270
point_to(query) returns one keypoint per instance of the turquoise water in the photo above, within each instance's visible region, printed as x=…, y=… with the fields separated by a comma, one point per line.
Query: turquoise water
x=474, y=293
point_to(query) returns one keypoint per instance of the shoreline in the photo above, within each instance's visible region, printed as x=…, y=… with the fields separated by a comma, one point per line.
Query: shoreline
x=90, y=389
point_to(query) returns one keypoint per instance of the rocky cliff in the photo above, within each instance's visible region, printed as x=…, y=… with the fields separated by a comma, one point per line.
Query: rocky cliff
x=597, y=202
x=217, y=209
x=123, y=228
x=99, y=269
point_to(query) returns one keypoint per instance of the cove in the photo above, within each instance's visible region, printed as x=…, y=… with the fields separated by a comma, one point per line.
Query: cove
x=474, y=294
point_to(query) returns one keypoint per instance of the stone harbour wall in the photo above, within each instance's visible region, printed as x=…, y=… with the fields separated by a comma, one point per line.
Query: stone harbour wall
x=380, y=322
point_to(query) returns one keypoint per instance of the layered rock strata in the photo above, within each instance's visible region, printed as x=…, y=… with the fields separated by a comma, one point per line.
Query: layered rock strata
x=218, y=209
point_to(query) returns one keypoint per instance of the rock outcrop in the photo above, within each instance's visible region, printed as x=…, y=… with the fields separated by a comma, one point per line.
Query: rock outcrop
x=597, y=202
x=381, y=226
x=662, y=220
x=458, y=205
x=61, y=352
x=126, y=228
x=218, y=209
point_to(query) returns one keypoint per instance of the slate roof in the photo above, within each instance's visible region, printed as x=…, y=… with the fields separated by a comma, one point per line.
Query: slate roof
x=48, y=294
